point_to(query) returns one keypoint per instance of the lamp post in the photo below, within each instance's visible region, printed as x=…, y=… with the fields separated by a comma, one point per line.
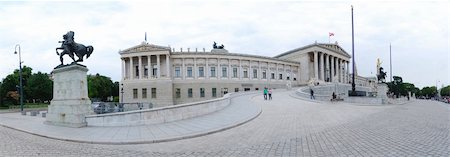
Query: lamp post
x=121, y=91
x=20, y=77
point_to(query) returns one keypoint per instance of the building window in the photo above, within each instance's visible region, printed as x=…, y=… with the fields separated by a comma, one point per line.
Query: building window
x=178, y=93
x=213, y=71
x=145, y=70
x=137, y=71
x=235, y=72
x=255, y=73
x=256, y=88
x=189, y=92
x=281, y=77
x=224, y=72
x=272, y=76
x=214, y=92
x=245, y=73
x=177, y=72
x=189, y=71
x=135, y=93
x=144, y=93
x=155, y=72
x=153, y=92
x=264, y=74
x=287, y=78
x=201, y=72
x=236, y=89
x=202, y=92
x=246, y=89
x=295, y=79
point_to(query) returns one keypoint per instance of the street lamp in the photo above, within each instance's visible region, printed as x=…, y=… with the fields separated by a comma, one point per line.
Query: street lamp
x=20, y=77
x=121, y=91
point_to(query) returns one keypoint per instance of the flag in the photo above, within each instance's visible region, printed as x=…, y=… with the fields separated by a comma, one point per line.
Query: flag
x=146, y=36
x=330, y=34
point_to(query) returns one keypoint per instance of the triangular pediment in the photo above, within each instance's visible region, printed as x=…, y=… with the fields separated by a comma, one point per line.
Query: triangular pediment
x=145, y=47
x=330, y=47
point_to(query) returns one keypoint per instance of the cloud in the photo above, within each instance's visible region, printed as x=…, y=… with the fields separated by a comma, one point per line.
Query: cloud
x=418, y=31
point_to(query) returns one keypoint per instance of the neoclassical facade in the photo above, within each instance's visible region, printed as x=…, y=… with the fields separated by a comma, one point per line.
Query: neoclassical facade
x=162, y=76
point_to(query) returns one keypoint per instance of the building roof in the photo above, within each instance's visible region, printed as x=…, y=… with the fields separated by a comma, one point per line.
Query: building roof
x=144, y=47
x=332, y=47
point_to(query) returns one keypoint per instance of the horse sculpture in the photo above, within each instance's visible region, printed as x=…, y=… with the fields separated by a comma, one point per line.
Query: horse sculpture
x=381, y=75
x=69, y=47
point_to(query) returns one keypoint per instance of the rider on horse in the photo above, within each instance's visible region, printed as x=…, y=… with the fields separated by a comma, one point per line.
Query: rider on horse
x=69, y=43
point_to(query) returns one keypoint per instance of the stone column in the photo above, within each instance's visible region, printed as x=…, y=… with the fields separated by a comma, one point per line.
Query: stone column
x=194, y=70
x=131, y=68
x=183, y=69
x=149, y=67
x=321, y=66
x=332, y=68
x=140, y=67
x=259, y=71
x=316, y=68
x=123, y=69
x=327, y=70
x=206, y=71
x=158, y=65
x=167, y=66
x=218, y=69
x=229, y=70
x=348, y=72
x=339, y=70
x=240, y=69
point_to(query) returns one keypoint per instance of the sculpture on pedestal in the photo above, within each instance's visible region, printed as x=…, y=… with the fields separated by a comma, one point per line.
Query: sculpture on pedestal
x=381, y=76
x=69, y=47
x=218, y=47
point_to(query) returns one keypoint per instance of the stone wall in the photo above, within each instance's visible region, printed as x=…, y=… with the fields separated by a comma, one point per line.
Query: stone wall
x=163, y=114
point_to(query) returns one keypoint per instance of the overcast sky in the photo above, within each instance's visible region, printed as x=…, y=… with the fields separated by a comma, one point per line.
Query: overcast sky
x=417, y=30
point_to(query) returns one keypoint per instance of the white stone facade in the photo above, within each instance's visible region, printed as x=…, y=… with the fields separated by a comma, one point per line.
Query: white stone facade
x=182, y=77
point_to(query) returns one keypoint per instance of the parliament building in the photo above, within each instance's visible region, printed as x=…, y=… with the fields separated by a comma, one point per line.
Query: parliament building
x=161, y=76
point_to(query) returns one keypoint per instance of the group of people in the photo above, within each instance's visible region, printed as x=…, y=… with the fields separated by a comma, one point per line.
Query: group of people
x=267, y=92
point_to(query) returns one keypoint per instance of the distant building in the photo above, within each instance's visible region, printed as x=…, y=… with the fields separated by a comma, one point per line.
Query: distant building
x=162, y=76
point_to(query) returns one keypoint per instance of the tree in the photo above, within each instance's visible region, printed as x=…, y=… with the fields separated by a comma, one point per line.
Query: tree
x=9, y=84
x=445, y=91
x=40, y=87
x=429, y=91
x=100, y=87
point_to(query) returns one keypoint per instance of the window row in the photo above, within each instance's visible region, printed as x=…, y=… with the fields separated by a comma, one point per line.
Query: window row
x=212, y=73
x=202, y=92
x=144, y=93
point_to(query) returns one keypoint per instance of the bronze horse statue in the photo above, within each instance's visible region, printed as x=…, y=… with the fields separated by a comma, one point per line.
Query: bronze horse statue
x=381, y=76
x=69, y=47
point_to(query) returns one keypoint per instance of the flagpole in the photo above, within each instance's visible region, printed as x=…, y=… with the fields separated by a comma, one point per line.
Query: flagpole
x=390, y=61
x=353, y=58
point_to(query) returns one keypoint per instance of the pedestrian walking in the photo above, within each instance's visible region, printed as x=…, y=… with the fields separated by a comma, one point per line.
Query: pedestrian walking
x=265, y=93
x=312, y=94
x=270, y=93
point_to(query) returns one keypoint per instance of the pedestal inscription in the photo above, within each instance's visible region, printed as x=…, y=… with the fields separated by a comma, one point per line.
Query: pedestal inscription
x=70, y=102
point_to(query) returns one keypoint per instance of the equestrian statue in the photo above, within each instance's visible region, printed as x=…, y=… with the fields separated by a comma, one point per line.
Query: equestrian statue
x=70, y=47
x=381, y=75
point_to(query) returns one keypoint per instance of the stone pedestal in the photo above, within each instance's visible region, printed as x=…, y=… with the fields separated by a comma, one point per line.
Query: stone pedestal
x=382, y=89
x=70, y=102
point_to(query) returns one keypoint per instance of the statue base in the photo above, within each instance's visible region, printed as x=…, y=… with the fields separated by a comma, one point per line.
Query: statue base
x=70, y=102
x=382, y=90
x=219, y=51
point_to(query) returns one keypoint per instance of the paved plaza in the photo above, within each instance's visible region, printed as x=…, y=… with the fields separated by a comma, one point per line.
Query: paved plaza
x=287, y=126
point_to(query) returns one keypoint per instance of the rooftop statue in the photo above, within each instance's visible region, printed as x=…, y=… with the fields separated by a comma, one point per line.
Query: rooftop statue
x=70, y=47
x=218, y=47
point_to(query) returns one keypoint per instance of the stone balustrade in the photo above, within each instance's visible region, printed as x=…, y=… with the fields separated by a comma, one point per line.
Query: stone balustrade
x=163, y=114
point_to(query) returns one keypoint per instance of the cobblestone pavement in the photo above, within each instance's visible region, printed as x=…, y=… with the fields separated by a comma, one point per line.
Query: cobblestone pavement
x=286, y=127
